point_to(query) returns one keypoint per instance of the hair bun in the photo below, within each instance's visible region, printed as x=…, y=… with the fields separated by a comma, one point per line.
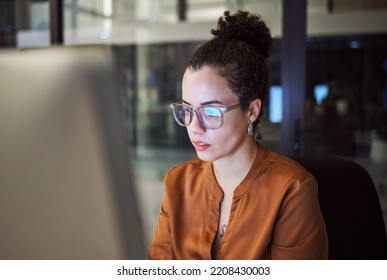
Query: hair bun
x=246, y=27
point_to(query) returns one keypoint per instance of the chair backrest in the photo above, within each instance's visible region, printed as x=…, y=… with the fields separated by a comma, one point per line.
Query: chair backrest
x=350, y=206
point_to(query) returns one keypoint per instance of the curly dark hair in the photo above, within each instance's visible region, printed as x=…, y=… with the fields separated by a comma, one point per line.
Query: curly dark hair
x=238, y=52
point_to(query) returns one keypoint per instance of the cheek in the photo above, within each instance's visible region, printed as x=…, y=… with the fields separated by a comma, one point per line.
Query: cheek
x=224, y=137
x=237, y=125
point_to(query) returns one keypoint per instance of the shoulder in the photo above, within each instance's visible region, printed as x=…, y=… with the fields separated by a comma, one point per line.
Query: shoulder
x=189, y=181
x=189, y=171
x=189, y=167
x=283, y=177
x=282, y=170
x=286, y=167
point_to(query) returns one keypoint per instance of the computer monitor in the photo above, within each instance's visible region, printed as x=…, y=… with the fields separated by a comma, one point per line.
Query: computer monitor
x=66, y=188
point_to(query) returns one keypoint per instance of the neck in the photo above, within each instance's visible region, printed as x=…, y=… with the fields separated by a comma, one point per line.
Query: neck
x=230, y=171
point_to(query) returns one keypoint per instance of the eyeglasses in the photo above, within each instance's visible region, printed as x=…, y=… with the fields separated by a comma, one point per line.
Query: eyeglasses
x=210, y=117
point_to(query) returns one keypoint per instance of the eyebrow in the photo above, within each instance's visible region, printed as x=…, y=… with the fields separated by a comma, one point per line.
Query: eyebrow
x=205, y=103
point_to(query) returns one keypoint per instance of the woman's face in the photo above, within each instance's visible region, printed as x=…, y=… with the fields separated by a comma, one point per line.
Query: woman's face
x=205, y=87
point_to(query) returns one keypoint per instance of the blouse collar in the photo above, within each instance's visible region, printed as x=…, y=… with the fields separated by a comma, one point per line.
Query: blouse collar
x=212, y=185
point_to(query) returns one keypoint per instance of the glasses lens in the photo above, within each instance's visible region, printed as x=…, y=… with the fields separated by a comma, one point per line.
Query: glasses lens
x=211, y=117
x=182, y=114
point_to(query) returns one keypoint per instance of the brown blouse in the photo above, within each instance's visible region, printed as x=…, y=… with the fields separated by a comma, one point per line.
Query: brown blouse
x=275, y=213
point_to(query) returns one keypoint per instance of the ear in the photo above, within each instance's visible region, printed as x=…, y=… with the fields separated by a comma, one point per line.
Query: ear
x=254, y=110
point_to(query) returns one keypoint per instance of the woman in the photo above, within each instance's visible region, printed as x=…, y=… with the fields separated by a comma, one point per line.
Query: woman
x=238, y=199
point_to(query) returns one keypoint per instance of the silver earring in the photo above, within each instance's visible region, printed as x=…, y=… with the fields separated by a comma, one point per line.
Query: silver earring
x=250, y=130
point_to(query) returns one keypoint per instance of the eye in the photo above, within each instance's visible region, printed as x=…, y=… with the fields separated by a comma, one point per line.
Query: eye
x=185, y=110
x=182, y=109
x=212, y=112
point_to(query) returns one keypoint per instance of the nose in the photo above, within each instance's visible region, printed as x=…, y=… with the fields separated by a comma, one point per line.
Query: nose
x=195, y=126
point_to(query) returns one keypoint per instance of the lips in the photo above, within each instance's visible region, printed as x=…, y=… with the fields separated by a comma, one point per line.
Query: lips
x=200, y=146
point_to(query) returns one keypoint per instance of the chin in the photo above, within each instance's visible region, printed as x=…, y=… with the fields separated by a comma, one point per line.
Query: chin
x=205, y=156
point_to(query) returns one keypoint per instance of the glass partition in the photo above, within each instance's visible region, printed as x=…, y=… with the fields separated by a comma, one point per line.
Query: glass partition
x=24, y=21
x=346, y=85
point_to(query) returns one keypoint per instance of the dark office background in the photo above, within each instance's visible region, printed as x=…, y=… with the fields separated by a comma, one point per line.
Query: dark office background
x=345, y=98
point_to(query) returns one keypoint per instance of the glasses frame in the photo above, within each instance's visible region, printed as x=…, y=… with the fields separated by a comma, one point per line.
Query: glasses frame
x=222, y=110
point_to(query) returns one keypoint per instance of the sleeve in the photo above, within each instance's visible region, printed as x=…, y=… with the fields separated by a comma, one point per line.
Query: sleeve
x=300, y=232
x=161, y=247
